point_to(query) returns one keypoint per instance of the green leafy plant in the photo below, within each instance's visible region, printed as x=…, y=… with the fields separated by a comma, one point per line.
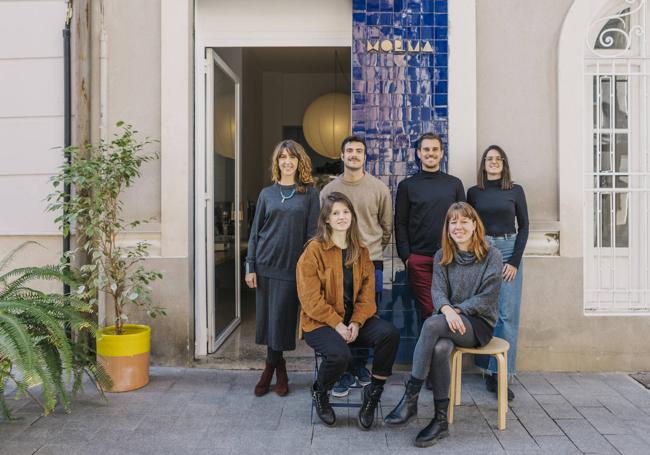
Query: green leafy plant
x=35, y=346
x=99, y=175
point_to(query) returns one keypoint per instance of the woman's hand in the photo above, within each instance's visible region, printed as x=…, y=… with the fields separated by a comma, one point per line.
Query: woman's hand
x=354, y=331
x=454, y=320
x=344, y=331
x=509, y=272
x=251, y=280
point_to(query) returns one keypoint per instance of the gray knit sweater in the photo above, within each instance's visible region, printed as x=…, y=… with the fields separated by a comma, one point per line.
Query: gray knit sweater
x=280, y=231
x=473, y=286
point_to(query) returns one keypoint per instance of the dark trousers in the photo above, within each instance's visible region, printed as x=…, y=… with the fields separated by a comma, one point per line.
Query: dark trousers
x=360, y=355
x=420, y=270
x=375, y=333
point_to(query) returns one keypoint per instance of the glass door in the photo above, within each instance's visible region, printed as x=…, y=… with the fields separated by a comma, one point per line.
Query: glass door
x=223, y=217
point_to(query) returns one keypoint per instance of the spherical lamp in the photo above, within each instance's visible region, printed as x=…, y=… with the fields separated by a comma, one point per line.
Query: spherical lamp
x=326, y=123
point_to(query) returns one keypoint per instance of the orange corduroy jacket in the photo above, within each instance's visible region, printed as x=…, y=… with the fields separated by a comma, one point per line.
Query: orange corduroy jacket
x=319, y=279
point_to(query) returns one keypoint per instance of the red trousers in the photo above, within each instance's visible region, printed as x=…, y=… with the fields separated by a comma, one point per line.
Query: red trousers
x=420, y=269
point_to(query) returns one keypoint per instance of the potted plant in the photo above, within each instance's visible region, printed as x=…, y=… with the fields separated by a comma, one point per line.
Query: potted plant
x=35, y=348
x=99, y=174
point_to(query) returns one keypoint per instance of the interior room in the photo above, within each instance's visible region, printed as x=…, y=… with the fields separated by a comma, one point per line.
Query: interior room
x=276, y=89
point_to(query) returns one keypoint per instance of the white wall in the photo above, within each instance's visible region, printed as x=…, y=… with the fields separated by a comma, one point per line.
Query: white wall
x=134, y=85
x=31, y=112
x=517, y=93
x=273, y=23
x=31, y=125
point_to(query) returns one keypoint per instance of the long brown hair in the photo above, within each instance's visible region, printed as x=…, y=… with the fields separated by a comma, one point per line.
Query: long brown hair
x=478, y=245
x=303, y=176
x=481, y=177
x=352, y=236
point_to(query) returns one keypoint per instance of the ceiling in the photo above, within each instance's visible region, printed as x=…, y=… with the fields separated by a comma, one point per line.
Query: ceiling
x=300, y=59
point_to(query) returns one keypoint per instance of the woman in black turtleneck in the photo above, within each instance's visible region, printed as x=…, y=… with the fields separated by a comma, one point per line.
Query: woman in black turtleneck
x=500, y=203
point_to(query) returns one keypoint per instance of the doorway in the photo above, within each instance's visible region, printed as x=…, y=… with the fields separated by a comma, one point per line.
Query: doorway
x=254, y=97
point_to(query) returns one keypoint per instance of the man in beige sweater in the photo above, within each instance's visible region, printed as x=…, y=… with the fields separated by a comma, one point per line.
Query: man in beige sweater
x=373, y=205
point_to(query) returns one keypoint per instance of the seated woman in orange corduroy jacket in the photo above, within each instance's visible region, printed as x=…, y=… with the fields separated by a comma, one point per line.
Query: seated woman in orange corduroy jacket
x=336, y=288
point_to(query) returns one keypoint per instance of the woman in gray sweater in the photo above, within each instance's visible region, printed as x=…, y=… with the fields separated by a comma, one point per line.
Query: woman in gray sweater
x=465, y=292
x=285, y=218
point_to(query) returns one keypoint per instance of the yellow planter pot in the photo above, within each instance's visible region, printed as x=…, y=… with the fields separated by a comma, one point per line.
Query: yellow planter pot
x=125, y=357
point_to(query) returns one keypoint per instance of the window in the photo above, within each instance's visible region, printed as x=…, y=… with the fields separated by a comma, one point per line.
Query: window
x=617, y=177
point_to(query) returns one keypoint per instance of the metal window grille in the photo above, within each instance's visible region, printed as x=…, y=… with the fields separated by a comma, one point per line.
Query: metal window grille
x=617, y=177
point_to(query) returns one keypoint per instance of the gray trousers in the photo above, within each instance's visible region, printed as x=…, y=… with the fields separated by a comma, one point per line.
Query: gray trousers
x=436, y=343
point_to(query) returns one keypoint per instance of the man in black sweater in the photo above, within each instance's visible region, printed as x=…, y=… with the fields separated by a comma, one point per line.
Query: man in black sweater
x=420, y=208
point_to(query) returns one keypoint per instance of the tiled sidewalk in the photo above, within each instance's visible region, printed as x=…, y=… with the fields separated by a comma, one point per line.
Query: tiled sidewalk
x=197, y=411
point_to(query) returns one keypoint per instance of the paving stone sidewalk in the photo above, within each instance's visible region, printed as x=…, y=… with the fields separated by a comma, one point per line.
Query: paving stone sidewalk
x=202, y=411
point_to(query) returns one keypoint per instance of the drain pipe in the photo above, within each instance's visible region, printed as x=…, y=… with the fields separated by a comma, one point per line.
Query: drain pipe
x=67, y=119
x=103, y=122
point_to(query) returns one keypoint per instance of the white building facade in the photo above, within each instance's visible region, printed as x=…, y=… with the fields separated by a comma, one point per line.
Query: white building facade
x=562, y=86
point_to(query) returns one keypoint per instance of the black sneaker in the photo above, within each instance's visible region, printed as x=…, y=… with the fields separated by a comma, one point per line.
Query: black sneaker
x=342, y=386
x=492, y=385
x=363, y=376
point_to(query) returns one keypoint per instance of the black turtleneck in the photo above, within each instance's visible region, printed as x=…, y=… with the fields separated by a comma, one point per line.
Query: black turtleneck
x=498, y=210
x=420, y=208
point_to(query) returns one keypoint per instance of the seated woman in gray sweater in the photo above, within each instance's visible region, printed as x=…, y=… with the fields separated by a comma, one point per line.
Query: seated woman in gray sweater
x=465, y=292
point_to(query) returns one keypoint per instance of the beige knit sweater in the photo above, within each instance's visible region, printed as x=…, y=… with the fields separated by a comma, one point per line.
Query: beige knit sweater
x=373, y=205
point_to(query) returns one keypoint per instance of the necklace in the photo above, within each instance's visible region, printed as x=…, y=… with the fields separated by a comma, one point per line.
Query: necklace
x=284, y=198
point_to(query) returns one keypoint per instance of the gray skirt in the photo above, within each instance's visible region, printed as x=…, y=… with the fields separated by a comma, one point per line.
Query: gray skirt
x=276, y=313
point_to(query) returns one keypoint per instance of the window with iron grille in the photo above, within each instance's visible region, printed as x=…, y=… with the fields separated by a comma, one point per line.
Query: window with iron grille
x=616, y=179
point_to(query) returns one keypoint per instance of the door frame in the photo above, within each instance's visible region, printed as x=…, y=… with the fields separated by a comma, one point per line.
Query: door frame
x=227, y=25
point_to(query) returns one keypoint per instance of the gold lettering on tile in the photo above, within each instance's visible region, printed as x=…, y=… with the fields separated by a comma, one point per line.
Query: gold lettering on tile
x=372, y=47
x=427, y=47
x=411, y=48
x=386, y=45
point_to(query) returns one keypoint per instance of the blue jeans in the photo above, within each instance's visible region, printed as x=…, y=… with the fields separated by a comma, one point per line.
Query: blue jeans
x=509, y=308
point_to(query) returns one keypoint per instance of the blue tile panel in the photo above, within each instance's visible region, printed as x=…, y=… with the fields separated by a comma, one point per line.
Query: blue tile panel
x=399, y=91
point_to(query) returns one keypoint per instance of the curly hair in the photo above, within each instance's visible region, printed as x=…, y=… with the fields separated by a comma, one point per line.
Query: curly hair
x=303, y=177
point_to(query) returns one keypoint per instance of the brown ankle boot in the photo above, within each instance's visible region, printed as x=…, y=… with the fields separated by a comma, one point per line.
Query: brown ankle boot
x=281, y=379
x=262, y=386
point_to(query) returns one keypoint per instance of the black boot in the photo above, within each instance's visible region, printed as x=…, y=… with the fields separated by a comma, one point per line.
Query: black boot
x=323, y=407
x=371, y=395
x=437, y=429
x=407, y=408
x=492, y=385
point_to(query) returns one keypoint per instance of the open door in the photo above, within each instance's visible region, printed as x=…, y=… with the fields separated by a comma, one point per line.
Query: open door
x=223, y=213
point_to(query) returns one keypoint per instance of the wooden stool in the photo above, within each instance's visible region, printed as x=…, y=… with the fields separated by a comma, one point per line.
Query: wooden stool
x=497, y=347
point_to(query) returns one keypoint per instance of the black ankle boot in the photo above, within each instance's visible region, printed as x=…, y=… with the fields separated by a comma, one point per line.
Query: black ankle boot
x=437, y=429
x=407, y=408
x=371, y=395
x=323, y=406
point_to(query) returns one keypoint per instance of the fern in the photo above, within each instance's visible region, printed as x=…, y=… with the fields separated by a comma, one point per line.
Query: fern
x=35, y=348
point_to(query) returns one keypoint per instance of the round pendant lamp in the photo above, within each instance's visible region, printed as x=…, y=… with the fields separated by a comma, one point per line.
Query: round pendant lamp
x=326, y=123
